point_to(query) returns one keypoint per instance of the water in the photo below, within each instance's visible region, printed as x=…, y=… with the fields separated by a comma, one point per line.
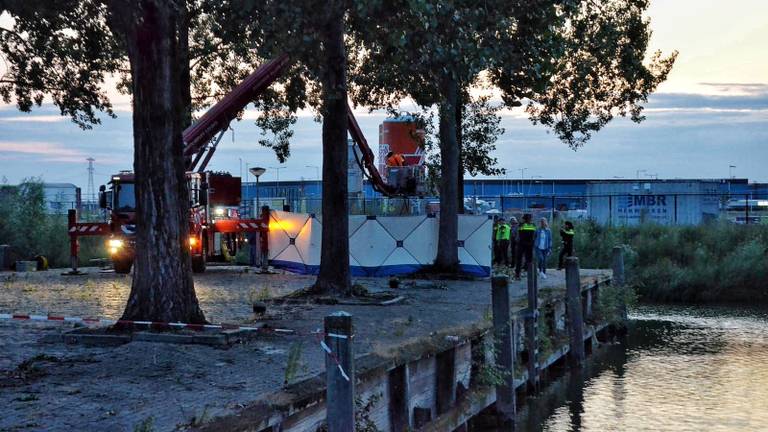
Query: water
x=681, y=369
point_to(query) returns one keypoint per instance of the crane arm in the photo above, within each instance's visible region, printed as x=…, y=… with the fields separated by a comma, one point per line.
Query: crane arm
x=215, y=120
x=368, y=165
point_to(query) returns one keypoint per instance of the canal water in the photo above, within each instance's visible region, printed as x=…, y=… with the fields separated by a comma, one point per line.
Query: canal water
x=680, y=369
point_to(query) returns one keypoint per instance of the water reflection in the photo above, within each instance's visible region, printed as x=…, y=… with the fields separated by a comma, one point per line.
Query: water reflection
x=681, y=369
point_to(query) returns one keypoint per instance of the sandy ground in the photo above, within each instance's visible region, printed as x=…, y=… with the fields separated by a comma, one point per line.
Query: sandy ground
x=56, y=387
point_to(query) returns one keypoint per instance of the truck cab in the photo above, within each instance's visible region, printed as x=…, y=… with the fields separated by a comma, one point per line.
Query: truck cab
x=214, y=200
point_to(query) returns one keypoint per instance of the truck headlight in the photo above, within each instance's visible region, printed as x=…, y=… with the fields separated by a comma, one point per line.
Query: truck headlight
x=219, y=211
x=115, y=245
x=192, y=241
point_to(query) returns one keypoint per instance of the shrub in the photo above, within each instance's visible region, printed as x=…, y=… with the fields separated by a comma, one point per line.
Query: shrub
x=25, y=225
x=717, y=261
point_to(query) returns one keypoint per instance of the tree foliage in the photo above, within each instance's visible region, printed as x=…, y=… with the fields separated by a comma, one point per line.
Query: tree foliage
x=575, y=64
x=66, y=50
x=62, y=49
x=578, y=64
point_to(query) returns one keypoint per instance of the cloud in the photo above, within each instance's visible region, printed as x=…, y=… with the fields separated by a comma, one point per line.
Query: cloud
x=46, y=151
x=34, y=119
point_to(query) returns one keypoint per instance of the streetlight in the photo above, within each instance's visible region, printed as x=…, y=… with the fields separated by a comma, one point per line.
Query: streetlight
x=257, y=171
x=522, y=179
x=317, y=171
x=277, y=169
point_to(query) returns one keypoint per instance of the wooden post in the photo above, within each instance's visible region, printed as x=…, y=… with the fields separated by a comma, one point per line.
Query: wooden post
x=264, y=239
x=575, y=314
x=504, y=334
x=340, y=373
x=618, y=276
x=532, y=327
x=74, y=244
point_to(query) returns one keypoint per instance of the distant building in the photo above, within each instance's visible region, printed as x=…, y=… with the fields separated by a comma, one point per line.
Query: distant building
x=60, y=197
x=666, y=202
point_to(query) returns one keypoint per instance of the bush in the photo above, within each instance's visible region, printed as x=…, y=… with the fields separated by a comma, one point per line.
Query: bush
x=718, y=261
x=30, y=231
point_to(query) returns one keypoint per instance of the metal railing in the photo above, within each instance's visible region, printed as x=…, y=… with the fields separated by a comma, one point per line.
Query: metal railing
x=608, y=209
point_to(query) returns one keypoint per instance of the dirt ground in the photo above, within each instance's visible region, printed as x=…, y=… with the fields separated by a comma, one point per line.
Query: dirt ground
x=52, y=386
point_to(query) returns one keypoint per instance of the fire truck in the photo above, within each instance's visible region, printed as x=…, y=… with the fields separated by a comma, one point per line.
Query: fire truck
x=217, y=229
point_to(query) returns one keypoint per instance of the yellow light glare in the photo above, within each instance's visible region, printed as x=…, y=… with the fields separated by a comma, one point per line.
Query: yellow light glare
x=113, y=250
x=115, y=244
x=219, y=211
x=192, y=241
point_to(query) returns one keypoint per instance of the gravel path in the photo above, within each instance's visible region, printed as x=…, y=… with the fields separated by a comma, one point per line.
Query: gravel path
x=56, y=387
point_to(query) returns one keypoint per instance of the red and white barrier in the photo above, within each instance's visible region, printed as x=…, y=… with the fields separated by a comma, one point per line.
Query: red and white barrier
x=29, y=317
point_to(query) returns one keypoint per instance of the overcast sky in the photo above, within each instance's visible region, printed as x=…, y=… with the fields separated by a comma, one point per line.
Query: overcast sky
x=712, y=113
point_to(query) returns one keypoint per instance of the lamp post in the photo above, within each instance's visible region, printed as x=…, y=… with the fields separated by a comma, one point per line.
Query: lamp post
x=257, y=171
x=277, y=172
x=317, y=171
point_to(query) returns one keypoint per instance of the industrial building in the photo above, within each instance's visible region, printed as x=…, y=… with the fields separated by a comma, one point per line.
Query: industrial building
x=666, y=202
x=513, y=194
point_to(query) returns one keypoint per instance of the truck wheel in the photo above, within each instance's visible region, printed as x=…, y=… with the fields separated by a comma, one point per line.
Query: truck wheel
x=198, y=263
x=122, y=265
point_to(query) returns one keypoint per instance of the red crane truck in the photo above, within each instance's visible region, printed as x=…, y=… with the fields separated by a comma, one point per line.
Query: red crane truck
x=216, y=227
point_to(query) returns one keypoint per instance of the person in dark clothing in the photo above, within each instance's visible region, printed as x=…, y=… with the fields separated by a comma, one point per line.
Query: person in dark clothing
x=495, y=244
x=525, y=233
x=566, y=235
x=513, y=227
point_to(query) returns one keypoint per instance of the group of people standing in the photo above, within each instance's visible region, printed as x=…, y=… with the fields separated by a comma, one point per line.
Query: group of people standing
x=516, y=243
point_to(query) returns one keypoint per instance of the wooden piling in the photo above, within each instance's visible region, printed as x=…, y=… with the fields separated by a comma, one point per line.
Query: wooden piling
x=619, y=277
x=340, y=391
x=575, y=313
x=504, y=340
x=532, y=328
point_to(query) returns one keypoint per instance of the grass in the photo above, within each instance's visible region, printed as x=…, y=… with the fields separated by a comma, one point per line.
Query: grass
x=713, y=262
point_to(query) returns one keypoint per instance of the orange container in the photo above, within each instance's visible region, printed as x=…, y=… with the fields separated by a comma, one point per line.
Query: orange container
x=400, y=135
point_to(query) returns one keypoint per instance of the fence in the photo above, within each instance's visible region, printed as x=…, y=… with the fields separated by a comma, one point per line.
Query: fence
x=608, y=209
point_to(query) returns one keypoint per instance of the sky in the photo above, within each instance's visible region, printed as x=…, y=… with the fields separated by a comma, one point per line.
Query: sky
x=711, y=113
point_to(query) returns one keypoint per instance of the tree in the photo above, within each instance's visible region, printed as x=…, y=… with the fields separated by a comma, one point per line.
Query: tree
x=65, y=49
x=480, y=129
x=162, y=287
x=314, y=38
x=430, y=52
x=577, y=63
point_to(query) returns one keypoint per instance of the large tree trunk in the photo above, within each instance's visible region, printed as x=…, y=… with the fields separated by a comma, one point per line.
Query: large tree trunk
x=460, y=146
x=334, y=277
x=447, y=259
x=162, y=288
x=185, y=20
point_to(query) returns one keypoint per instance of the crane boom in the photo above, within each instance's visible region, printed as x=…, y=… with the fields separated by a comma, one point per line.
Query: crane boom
x=368, y=165
x=201, y=140
x=215, y=120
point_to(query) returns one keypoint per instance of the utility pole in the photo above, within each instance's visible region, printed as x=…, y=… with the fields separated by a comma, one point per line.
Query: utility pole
x=317, y=171
x=277, y=172
x=91, y=191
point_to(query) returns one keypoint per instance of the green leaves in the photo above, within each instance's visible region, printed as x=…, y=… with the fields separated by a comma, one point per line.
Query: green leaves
x=61, y=49
x=585, y=67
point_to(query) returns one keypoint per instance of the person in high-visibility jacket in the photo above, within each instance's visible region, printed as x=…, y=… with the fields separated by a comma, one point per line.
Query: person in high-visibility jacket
x=525, y=236
x=503, y=232
x=395, y=159
x=566, y=236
